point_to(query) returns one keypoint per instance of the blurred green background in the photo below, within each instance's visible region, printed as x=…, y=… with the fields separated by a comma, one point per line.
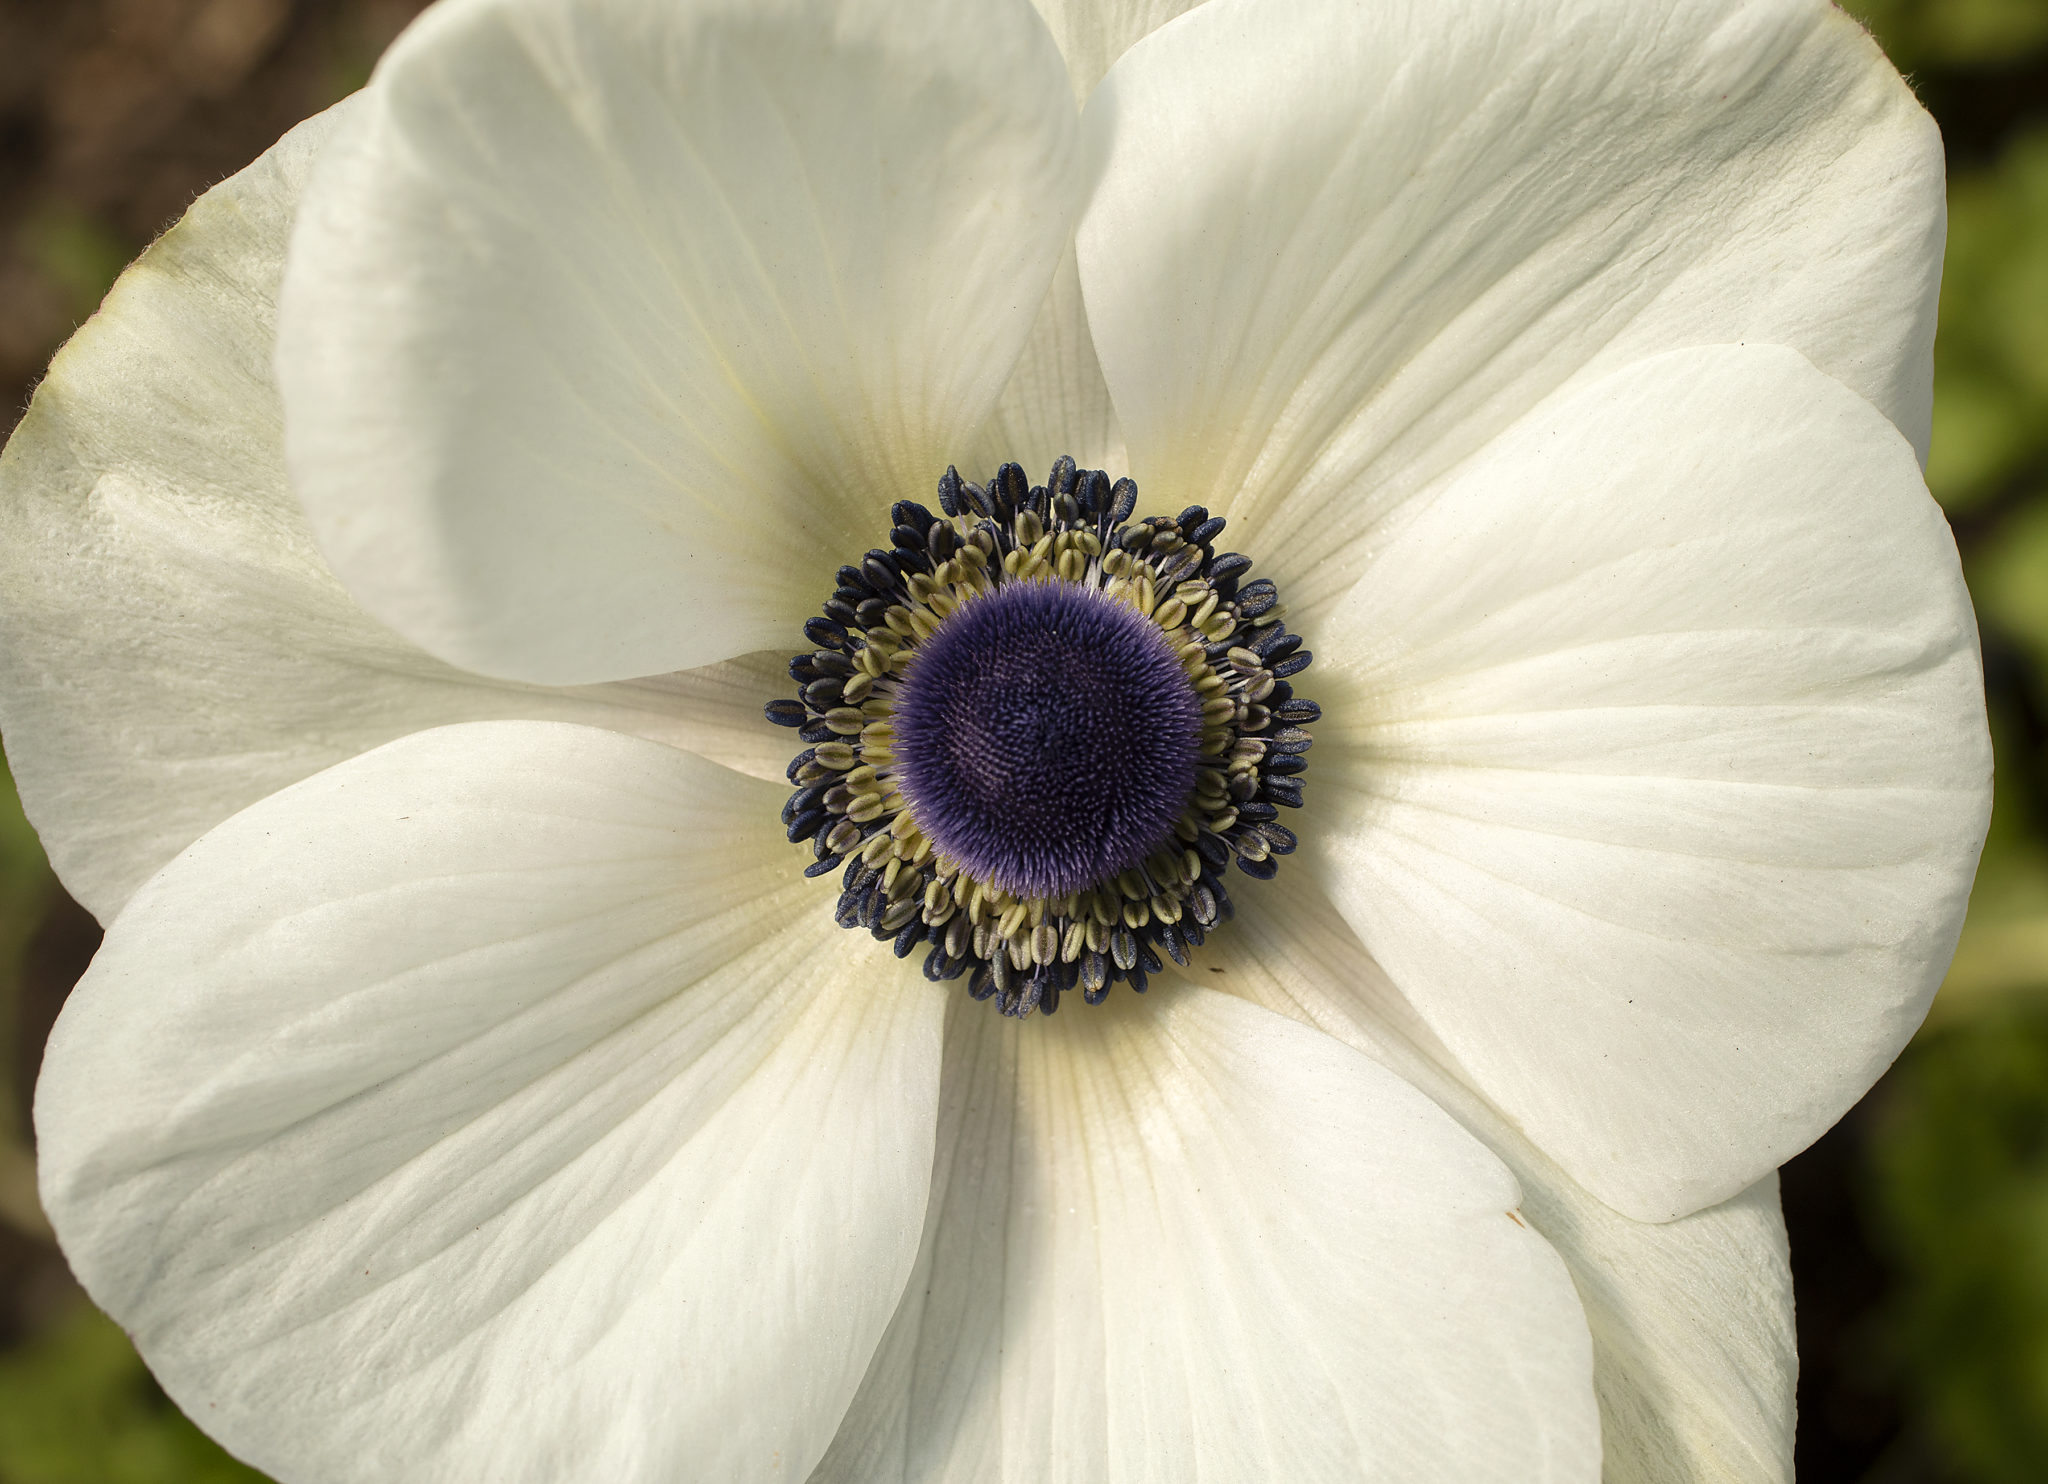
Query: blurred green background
x=1919, y=1225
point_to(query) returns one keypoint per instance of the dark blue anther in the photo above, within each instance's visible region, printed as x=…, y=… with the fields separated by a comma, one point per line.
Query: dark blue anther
x=1012, y=491
x=1123, y=499
x=1092, y=490
x=1227, y=569
x=785, y=713
x=1254, y=598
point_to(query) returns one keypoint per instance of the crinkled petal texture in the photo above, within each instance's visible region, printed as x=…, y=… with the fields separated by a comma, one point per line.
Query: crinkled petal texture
x=497, y=1105
x=617, y=324
x=1187, y=1239
x=1338, y=247
x=172, y=646
x=1656, y=768
x=1694, y=1355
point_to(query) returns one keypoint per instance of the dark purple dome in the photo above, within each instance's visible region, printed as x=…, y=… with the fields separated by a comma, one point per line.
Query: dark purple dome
x=1046, y=737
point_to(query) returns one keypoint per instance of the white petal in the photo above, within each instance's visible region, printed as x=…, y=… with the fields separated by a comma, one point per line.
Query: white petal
x=1056, y=401
x=1179, y=1238
x=1338, y=246
x=172, y=646
x=1094, y=33
x=500, y=1105
x=618, y=326
x=1694, y=1356
x=1656, y=768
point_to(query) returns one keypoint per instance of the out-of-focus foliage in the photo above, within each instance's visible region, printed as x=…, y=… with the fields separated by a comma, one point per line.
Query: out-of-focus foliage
x=1957, y=1193
x=1991, y=382
x=1961, y=1201
x=76, y=1407
x=1920, y=33
x=1989, y=465
x=24, y=884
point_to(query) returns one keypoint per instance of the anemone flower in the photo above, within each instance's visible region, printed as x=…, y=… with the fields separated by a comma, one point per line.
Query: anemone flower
x=478, y=1083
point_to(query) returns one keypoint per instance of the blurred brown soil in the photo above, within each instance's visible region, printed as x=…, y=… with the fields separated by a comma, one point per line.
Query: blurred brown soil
x=115, y=114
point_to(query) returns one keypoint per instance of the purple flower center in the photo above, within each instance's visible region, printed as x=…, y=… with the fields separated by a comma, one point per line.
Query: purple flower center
x=1046, y=737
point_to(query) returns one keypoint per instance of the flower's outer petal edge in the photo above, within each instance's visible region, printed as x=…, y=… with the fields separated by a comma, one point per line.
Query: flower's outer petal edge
x=1655, y=768
x=172, y=645
x=619, y=325
x=1695, y=1356
x=1336, y=248
x=1183, y=1238
x=498, y=1105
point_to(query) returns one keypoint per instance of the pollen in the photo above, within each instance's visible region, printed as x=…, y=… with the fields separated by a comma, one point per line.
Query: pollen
x=1039, y=731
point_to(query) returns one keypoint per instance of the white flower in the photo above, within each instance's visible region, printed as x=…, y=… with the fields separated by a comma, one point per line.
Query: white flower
x=471, y=1087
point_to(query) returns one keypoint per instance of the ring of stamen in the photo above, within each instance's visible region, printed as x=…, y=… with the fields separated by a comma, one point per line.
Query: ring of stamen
x=1039, y=731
